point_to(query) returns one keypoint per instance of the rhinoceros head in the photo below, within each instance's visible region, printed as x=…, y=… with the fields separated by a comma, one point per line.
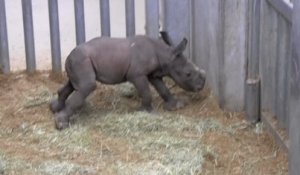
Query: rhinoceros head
x=184, y=72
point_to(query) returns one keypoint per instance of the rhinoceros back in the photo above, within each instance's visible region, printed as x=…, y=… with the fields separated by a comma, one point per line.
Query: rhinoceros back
x=117, y=59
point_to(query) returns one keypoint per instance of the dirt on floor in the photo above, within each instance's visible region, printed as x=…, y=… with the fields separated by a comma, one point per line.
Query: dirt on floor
x=107, y=136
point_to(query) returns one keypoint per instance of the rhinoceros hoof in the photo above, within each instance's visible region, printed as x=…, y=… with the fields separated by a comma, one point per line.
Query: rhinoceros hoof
x=144, y=109
x=174, y=105
x=61, y=121
x=56, y=106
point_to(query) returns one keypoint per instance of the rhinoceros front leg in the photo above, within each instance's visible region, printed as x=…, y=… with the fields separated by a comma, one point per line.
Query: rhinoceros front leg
x=142, y=85
x=171, y=103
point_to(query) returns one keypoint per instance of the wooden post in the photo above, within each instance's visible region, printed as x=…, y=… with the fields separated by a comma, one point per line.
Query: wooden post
x=4, y=54
x=252, y=97
x=130, y=17
x=221, y=53
x=283, y=57
x=152, y=18
x=29, y=35
x=252, y=103
x=79, y=21
x=55, y=36
x=105, y=17
x=294, y=105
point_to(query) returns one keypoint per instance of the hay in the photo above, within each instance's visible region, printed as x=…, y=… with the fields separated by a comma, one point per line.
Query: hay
x=259, y=128
x=169, y=144
x=73, y=140
x=106, y=137
x=16, y=165
x=63, y=168
x=37, y=97
x=3, y=165
x=9, y=165
x=126, y=90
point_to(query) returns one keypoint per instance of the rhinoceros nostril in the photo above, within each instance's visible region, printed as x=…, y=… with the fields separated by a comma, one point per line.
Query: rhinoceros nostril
x=201, y=84
x=199, y=87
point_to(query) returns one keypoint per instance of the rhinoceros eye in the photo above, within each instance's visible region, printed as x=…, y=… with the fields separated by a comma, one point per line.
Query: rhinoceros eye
x=188, y=74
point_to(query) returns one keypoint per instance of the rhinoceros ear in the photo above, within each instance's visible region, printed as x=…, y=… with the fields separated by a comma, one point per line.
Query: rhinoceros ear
x=166, y=38
x=181, y=47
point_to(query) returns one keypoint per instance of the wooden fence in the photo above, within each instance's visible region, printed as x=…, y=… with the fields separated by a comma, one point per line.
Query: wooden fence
x=268, y=65
x=273, y=77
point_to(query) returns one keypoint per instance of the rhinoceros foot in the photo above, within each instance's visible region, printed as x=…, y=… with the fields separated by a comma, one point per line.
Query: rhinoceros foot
x=174, y=105
x=61, y=120
x=56, y=106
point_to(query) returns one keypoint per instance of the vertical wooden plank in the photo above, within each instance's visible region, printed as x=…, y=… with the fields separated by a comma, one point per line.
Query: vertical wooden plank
x=79, y=21
x=288, y=79
x=283, y=46
x=253, y=62
x=221, y=53
x=4, y=53
x=177, y=25
x=294, y=97
x=233, y=74
x=54, y=36
x=268, y=56
x=152, y=18
x=28, y=35
x=206, y=39
x=252, y=103
x=130, y=17
x=105, y=17
x=191, y=33
x=252, y=97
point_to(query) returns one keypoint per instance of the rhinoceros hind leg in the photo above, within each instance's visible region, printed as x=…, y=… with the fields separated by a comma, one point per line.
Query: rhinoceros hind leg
x=58, y=104
x=84, y=82
x=74, y=102
x=82, y=78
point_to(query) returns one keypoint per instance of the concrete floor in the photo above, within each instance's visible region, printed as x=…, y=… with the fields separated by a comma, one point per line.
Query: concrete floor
x=67, y=27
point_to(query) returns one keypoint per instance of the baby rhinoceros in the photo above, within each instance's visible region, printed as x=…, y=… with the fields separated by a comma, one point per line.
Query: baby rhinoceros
x=139, y=59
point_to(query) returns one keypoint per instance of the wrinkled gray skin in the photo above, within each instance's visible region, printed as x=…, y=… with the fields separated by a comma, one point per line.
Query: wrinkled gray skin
x=139, y=60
